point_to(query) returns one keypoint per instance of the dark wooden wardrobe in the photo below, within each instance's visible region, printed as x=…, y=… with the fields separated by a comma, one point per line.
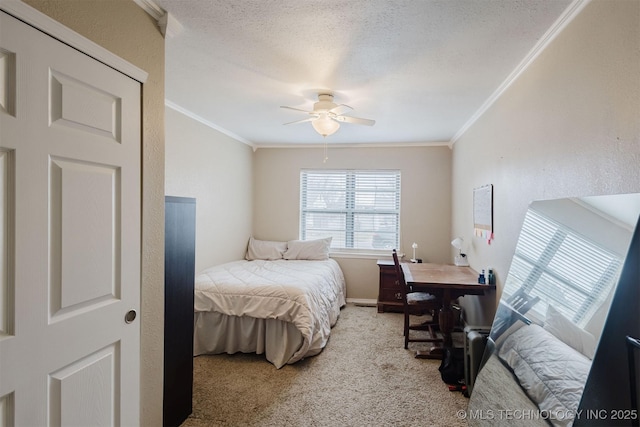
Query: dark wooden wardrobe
x=179, y=275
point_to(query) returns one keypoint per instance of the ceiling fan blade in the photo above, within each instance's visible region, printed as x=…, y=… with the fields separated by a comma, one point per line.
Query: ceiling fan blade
x=296, y=109
x=355, y=120
x=300, y=121
x=340, y=109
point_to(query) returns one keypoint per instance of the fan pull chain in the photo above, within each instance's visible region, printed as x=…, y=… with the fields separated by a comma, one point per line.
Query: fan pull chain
x=326, y=157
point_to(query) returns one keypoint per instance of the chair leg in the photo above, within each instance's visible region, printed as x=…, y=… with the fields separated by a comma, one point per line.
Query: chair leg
x=406, y=329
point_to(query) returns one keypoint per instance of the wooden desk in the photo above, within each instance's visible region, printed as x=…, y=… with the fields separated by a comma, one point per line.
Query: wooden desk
x=447, y=282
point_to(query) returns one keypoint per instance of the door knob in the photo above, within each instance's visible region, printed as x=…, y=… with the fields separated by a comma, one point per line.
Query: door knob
x=130, y=316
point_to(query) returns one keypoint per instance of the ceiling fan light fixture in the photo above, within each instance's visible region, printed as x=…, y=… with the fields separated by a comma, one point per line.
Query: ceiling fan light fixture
x=325, y=126
x=326, y=115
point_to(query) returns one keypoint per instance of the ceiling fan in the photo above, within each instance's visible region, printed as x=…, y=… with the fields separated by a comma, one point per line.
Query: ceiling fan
x=327, y=115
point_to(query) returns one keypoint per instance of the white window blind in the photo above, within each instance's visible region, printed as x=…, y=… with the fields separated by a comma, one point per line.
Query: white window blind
x=566, y=270
x=360, y=209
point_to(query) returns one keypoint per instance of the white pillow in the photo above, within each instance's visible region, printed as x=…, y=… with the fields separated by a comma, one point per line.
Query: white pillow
x=569, y=333
x=308, y=249
x=265, y=249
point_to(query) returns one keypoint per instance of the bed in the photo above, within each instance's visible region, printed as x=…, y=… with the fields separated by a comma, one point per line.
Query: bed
x=536, y=374
x=281, y=301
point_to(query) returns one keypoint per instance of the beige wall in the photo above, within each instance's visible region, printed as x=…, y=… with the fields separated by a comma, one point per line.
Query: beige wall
x=425, y=200
x=569, y=126
x=126, y=30
x=217, y=170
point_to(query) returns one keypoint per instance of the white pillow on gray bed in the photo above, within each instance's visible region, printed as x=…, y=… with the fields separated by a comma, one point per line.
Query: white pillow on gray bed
x=265, y=249
x=569, y=333
x=315, y=250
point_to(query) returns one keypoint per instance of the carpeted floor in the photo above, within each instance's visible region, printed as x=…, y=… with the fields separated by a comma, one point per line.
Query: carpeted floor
x=364, y=377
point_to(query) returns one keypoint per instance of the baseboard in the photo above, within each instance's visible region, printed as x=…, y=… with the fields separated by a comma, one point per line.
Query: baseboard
x=363, y=302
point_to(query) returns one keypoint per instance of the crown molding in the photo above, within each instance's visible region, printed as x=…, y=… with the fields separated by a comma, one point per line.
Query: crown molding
x=53, y=28
x=149, y=6
x=255, y=147
x=359, y=145
x=207, y=123
x=169, y=26
x=558, y=26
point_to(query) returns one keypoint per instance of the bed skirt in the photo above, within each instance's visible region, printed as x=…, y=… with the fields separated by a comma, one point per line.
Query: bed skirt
x=216, y=333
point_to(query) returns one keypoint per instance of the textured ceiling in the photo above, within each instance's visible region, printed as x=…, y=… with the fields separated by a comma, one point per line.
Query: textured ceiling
x=420, y=68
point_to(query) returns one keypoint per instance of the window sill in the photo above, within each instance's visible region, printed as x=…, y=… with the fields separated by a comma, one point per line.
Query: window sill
x=371, y=254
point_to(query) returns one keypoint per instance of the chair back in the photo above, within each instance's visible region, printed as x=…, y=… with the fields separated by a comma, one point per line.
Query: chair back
x=515, y=309
x=400, y=280
x=521, y=301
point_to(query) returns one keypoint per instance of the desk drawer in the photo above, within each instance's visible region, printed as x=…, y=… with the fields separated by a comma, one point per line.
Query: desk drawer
x=390, y=295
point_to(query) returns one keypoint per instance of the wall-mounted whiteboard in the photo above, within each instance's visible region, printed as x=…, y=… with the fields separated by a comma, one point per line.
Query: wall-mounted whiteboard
x=483, y=212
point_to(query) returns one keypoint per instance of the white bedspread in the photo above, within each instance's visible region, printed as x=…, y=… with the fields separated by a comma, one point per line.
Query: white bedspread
x=308, y=294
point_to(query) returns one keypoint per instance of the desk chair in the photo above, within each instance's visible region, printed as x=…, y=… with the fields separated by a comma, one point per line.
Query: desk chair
x=510, y=311
x=416, y=303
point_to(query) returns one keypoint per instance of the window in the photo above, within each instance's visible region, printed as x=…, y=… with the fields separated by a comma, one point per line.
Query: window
x=360, y=209
x=563, y=268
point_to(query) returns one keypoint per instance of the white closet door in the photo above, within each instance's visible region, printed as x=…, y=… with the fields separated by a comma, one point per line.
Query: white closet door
x=69, y=235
